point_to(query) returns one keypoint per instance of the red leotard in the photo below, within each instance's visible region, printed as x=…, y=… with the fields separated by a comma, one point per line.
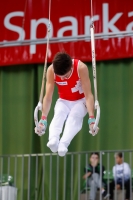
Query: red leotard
x=70, y=88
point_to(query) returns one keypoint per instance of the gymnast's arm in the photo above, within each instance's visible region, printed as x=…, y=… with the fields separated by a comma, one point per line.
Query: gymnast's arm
x=86, y=86
x=47, y=100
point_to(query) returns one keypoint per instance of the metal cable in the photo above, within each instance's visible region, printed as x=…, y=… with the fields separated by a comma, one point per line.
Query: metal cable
x=46, y=57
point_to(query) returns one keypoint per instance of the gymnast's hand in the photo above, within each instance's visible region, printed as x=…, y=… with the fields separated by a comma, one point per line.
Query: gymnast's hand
x=91, y=122
x=42, y=125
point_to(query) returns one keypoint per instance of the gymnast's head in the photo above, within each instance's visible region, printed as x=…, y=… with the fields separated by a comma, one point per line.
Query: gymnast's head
x=62, y=64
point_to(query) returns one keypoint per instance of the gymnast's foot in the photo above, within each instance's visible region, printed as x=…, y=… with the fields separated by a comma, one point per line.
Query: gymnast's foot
x=53, y=144
x=62, y=150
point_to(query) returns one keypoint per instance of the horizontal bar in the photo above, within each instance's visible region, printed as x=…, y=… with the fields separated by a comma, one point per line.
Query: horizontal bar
x=13, y=43
x=69, y=153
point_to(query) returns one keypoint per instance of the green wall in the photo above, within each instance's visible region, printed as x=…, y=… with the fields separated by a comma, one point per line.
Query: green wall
x=19, y=92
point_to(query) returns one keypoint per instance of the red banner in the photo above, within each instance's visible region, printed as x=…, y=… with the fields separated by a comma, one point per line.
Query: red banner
x=22, y=20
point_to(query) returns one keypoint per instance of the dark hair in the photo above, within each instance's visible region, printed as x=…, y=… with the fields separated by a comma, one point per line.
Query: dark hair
x=119, y=154
x=62, y=63
x=94, y=153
